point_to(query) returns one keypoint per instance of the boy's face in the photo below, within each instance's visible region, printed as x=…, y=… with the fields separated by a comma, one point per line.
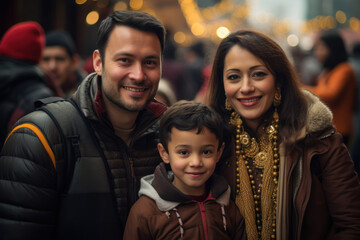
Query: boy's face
x=192, y=158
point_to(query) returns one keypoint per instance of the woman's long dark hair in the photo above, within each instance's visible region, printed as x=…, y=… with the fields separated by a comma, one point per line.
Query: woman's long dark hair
x=293, y=108
x=336, y=46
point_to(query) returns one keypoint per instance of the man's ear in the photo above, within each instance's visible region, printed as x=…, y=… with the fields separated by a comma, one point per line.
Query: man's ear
x=220, y=151
x=163, y=153
x=97, y=63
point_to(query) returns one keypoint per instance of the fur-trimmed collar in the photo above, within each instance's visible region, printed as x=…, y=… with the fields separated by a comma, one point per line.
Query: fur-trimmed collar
x=319, y=115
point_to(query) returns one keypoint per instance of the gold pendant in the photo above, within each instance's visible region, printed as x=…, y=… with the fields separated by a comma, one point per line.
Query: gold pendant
x=260, y=158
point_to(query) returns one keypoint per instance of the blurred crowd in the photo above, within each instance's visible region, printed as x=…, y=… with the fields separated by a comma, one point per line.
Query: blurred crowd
x=36, y=64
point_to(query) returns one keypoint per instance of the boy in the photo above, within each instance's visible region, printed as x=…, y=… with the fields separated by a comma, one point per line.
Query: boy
x=188, y=201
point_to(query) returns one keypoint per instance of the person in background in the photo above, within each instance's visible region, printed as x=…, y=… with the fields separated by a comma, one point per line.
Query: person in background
x=21, y=80
x=193, y=71
x=60, y=62
x=336, y=85
x=118, y=105
x=165, y=93
x=173, y=68
x=183, y=199
x=291, y=174
x=355, y=145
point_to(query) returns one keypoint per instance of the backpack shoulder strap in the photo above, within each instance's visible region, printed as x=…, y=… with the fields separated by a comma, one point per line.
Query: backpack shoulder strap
x=76, y=136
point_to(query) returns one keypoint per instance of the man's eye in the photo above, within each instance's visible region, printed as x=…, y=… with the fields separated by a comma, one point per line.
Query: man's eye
x=125, y=60
x=150, y=63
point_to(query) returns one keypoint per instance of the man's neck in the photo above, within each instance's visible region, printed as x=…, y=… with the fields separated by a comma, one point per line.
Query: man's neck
x=120, y=118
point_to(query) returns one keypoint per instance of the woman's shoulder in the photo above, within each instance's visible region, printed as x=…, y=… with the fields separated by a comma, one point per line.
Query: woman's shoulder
x=345, y=68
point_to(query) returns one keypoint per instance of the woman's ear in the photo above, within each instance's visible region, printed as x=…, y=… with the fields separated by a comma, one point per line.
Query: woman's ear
x=163, y=153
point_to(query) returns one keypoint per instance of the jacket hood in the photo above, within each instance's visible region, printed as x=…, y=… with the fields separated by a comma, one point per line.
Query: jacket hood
x=159, y=187
x=15, y=71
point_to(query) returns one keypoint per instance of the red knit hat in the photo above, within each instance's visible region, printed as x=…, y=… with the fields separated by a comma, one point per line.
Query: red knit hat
x=24, y=40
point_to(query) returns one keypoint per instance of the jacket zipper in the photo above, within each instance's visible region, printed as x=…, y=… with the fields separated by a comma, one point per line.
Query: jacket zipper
x=203, y=219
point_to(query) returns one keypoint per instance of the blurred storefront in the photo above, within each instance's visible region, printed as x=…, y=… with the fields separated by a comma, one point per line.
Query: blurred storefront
x=189, y=20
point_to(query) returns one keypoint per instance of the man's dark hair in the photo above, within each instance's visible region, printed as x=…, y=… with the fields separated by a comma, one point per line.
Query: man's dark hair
x=137, y=20
x=189, y=115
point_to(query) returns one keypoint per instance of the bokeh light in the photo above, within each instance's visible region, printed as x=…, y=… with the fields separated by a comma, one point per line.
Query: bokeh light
x=79, y=2
x=92, y=17
x=292, y=40
x=222, y=32
x=179, y=37
x=136, y=4
x=340, y=16
x=120, y=6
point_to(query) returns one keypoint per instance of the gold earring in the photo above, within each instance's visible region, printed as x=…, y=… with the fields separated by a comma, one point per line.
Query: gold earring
x=277, y=98
x=227, y=105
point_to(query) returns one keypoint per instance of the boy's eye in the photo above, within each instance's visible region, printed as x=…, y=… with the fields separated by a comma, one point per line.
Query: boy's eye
x=208, y=153
x=183, y=152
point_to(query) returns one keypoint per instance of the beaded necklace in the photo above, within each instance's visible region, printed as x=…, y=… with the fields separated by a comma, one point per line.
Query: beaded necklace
x=261, y=161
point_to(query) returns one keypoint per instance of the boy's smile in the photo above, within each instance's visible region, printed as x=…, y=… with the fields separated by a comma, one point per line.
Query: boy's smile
x=192, y=157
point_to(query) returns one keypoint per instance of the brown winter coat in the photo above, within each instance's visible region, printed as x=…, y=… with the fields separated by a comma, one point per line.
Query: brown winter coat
x=322, y=193
x=163, y=212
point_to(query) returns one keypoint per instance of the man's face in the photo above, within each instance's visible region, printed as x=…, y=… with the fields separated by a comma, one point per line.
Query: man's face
x=131, y=68
x=57, y=64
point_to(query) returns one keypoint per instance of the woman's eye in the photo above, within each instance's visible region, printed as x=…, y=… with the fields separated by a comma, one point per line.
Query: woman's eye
x=259, y=74
x=233, y=77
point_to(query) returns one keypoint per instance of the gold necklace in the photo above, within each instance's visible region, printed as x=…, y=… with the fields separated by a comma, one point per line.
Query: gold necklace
x=256, y=156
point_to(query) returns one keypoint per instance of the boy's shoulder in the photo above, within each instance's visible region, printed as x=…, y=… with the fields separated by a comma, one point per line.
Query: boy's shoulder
x=145, y=206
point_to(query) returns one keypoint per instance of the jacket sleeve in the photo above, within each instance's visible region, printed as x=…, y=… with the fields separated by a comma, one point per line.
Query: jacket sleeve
x=342, y=189
x=239, y=222
x=28, y=179
x=137, y=226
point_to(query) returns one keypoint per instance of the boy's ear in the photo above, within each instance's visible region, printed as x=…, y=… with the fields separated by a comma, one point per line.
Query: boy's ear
x=163, y=153
x=220, y=151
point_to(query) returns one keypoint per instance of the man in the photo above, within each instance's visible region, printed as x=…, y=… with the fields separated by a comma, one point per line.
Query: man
x=60, y=63
x=21, y=80
x=118, y=103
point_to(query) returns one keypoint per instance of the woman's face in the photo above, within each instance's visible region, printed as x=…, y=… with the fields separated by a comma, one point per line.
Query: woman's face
x=249, y=85
x=321, y=51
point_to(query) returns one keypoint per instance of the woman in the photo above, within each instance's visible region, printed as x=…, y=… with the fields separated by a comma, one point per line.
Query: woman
x=336, y=85
x=292, y=175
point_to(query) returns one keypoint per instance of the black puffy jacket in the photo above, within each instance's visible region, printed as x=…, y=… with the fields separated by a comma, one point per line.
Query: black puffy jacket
x=21, y=83
x=30, y=204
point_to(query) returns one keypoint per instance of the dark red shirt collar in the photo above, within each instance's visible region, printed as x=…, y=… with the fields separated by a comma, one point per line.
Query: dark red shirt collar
x=99, y=104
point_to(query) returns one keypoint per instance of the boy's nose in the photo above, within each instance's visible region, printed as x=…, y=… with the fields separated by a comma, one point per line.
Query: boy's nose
x=196, y=161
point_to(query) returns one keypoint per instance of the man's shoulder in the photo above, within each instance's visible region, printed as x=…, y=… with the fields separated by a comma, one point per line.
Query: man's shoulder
x=157, y=108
